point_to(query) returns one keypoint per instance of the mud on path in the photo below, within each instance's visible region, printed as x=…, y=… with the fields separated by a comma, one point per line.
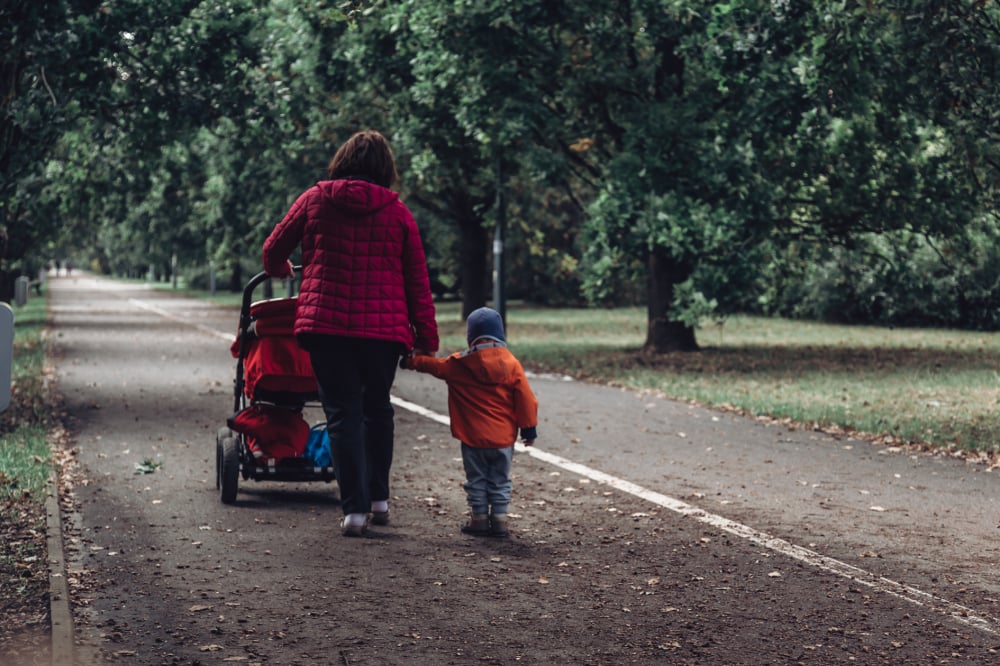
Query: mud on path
x=163, y=573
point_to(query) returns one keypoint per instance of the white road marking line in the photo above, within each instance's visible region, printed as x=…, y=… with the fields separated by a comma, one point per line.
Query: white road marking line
x=172, y=317
x=907, y=593
x=878, y=583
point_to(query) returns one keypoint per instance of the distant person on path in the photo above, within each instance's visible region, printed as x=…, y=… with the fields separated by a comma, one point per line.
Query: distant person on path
x=489, y=399
x=365, y=301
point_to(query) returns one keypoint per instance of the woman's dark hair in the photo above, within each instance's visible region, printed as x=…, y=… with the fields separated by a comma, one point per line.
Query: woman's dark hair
x=365, y=155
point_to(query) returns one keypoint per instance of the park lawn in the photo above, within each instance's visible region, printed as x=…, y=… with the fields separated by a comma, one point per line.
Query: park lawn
x=25, y=465
x=938, y=388
x=930, y=387
x=24, y=451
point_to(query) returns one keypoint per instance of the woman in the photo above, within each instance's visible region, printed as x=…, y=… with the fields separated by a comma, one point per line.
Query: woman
x=365, y=300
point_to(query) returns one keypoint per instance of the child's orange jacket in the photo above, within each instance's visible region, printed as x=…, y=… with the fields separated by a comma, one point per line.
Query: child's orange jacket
x=489, y=397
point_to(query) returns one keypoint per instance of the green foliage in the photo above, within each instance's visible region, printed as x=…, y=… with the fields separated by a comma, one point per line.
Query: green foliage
x=898, y=279
x=708, y=137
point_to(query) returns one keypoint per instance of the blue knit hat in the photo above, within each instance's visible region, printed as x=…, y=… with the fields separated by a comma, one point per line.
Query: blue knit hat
x=485, y=323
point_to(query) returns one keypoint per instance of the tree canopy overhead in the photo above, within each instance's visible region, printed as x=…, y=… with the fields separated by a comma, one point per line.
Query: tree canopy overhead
x=646, y=149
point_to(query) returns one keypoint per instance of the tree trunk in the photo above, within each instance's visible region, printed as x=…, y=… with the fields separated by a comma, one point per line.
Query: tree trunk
x=236, y=275
x=474, y=263
x=6, y=287
x=663, y=335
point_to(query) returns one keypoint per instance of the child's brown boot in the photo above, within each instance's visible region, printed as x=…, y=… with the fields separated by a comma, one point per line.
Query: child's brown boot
x=498, y=525
x=478, y=525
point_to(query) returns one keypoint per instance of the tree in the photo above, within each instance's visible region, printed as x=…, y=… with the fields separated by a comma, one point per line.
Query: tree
x=402, y=64
x=200, y=135
x=49, y=49
x=731, y=124
x=674, y=142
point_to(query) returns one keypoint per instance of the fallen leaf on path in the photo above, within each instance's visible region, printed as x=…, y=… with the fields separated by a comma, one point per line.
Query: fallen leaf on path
x=147, y=466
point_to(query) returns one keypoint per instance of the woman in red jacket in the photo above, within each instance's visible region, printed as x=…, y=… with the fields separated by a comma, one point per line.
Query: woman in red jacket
x=365, y=300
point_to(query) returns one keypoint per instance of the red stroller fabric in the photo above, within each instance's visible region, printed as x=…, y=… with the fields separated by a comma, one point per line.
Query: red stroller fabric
x=274, y=361
x=272, y=432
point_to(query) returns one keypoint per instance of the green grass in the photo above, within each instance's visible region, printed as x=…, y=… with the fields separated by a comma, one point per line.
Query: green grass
x=25, y=464
x=222, y=296
x=25, y=460
x=939, y=388
x=932, y=387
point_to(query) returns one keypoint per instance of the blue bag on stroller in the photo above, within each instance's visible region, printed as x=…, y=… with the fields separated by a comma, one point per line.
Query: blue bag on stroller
x=318, y=446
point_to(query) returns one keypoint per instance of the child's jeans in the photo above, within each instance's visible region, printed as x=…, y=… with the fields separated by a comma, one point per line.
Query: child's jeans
x=487, y=474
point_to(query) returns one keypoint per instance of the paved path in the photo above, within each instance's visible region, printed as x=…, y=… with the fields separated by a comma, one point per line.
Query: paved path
x=647, y=531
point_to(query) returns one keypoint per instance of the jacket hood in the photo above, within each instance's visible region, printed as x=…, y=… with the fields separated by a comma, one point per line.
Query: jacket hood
x=491, y=363
x=358, y=197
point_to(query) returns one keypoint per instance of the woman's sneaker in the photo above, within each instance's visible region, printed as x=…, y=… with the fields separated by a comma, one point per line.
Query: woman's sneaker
x=354, y=524
x=380, y=512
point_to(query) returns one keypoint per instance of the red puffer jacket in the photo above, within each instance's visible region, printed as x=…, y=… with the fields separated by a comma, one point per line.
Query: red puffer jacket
x=364, y=270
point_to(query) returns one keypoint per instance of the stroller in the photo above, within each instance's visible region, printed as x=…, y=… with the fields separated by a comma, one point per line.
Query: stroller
x=268, y=438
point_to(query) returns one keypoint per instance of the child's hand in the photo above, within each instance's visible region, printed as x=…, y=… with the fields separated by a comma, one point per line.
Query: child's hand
x=404, y=362
x=528, y=442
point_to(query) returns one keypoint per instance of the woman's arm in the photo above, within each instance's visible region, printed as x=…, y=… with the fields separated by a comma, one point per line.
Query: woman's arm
x=285, y=237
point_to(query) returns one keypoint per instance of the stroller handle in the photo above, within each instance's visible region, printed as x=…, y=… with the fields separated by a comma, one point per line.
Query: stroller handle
x=245, y=322
x=258, y=280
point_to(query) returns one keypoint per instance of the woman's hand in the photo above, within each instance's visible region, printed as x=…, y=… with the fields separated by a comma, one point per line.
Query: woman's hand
x=289, y=271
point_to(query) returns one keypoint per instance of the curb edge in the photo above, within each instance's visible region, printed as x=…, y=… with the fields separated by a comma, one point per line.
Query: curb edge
x=59, y=608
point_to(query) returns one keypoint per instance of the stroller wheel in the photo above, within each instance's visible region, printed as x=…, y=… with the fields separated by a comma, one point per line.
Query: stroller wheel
x=227, y=468
x=222, y=434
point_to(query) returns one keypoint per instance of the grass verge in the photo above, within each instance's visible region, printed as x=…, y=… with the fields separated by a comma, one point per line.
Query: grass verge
x=932, y=388
x=936, y=388
x=24, y=449
x=25, y=463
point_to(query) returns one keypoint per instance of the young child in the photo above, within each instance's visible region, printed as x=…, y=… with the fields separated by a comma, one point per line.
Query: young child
x=489, y=399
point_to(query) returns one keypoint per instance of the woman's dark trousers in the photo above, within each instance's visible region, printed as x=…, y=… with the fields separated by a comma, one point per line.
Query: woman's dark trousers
x=354, y=377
